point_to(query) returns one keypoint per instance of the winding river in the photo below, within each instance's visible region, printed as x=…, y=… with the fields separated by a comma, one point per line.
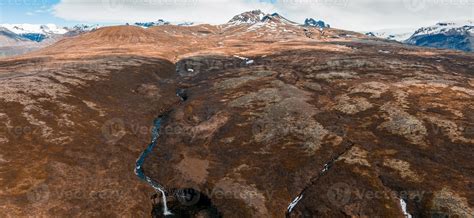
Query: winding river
x=140, y=161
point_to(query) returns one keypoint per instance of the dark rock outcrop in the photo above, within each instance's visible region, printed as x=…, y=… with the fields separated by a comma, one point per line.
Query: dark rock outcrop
x=312, y=22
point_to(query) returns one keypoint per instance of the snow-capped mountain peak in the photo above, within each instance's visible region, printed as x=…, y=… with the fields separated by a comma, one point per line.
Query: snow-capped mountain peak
x=258, y=18
x=446, y=28
x=448, y=35
x=249, y=17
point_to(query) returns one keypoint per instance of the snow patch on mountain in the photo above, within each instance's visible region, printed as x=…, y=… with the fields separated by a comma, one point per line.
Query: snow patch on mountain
x=397, y=34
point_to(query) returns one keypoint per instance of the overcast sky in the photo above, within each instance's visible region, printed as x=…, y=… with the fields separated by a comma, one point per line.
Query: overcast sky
x=345, y=14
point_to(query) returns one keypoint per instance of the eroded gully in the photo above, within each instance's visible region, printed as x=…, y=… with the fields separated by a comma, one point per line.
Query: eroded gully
x=141, y=159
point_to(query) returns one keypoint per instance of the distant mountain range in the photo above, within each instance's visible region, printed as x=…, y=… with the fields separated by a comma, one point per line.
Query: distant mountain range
x=39, y=32
x=20, y=38
x=12, y=43
x=8, y=37
x=444, y=35
x=458, y=36
x=17, y=39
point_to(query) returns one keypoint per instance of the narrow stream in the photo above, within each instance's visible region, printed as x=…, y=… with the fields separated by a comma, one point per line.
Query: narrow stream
x=155, y=134
x=326, y=167
x=139, y=165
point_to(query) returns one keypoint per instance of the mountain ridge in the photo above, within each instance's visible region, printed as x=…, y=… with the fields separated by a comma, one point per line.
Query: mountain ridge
x=443, y=35
x=446, y=35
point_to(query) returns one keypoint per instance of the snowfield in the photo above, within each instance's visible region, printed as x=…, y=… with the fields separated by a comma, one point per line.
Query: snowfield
x=35, y=28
